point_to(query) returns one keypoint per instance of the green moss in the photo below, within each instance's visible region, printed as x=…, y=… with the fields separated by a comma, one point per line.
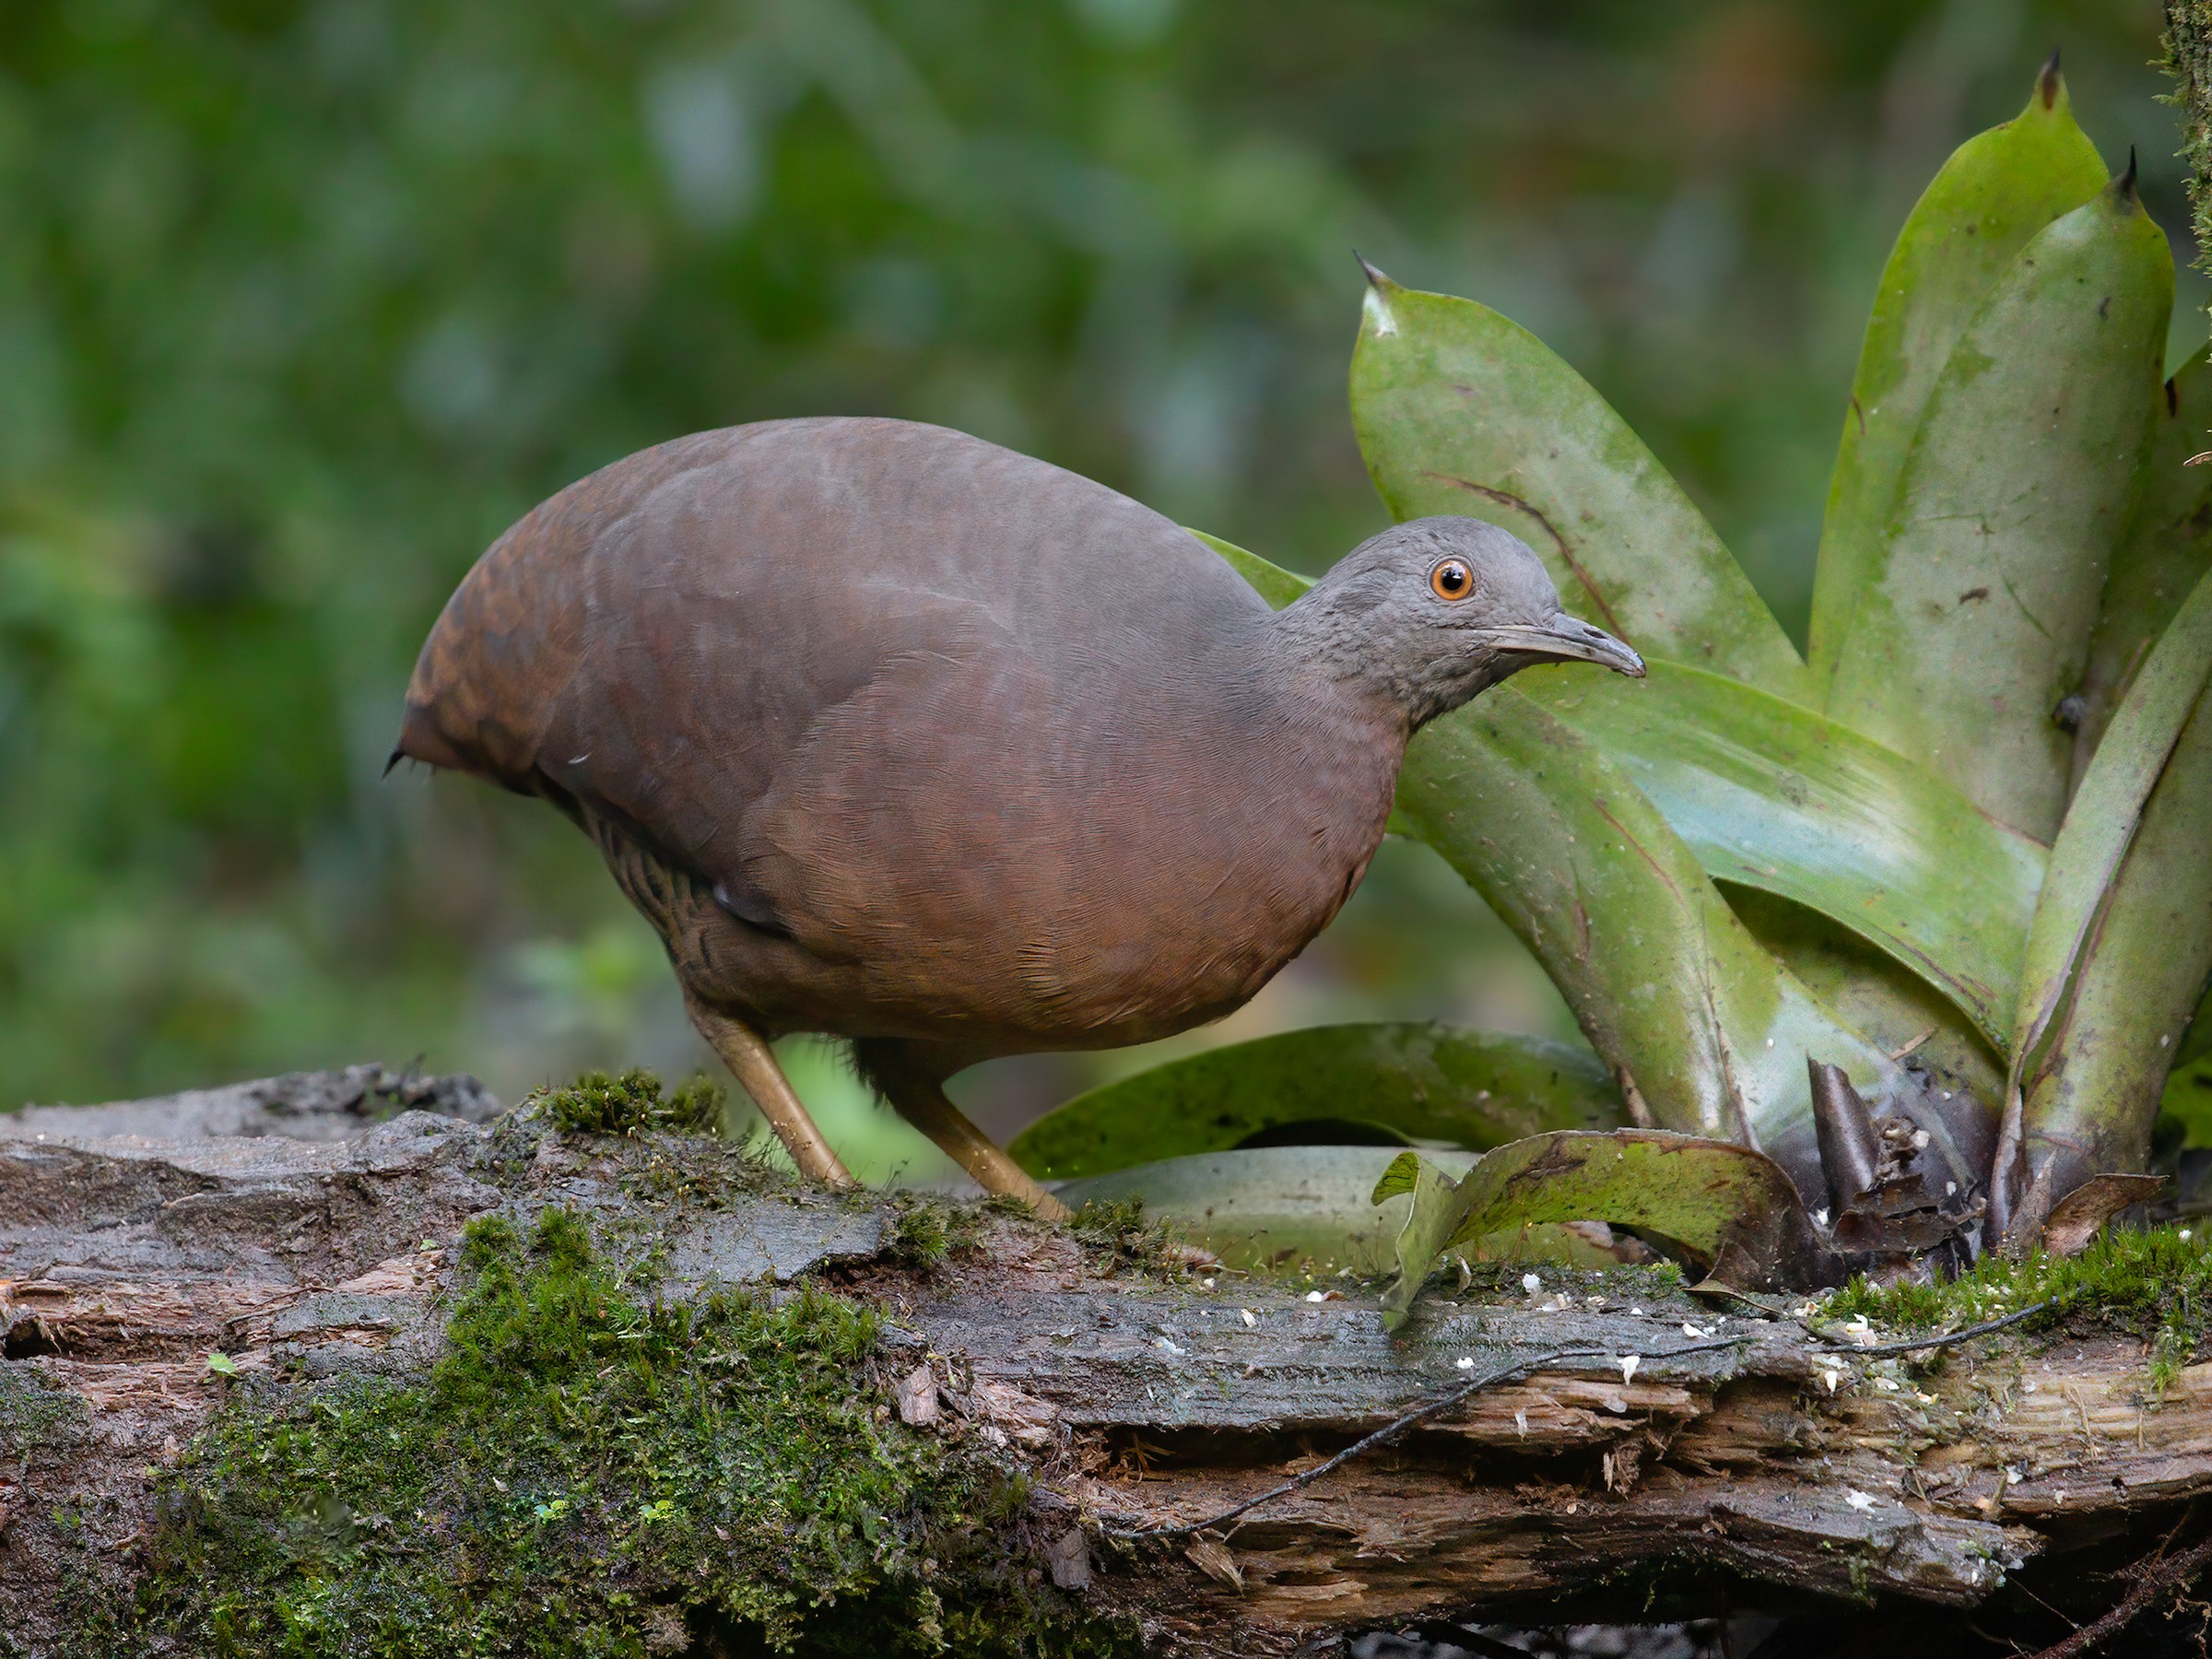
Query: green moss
x=1121, y=1238
x=587, y=1471
x=928, y=1233
x=598, y=1104
x=2189, y=61
x=2154, y=1282
x=691, y=1171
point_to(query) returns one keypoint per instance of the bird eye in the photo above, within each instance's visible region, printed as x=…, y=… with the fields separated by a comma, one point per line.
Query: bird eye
x=1451, y=579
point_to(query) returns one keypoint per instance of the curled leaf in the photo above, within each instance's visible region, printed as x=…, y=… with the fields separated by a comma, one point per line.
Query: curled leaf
x=1401, y=1177
x=2082, y=1213
x=1729, y=1208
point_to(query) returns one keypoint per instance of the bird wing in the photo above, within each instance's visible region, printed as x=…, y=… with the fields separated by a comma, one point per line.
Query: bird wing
x=874, y=681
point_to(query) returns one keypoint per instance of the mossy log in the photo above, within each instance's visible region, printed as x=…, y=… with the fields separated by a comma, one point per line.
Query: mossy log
x=1115, y=1392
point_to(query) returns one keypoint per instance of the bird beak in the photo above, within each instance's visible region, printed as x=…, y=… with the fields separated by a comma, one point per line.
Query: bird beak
x=1568, y=640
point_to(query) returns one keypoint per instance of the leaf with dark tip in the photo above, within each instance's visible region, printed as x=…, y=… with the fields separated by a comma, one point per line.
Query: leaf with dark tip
x=1974, y=616
x=1725, y=1206
x=1460, y=411
x=1416, y=1080
x=1997, y=190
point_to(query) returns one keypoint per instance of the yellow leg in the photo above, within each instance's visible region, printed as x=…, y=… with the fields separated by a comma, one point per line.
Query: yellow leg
x=754, y=1064
x=918, y=1098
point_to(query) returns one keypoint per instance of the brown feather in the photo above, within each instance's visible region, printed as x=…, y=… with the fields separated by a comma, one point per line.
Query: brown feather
x=896, y=734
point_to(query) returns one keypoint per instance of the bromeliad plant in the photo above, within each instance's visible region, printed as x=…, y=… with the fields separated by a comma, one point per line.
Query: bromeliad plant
x=1960, y=851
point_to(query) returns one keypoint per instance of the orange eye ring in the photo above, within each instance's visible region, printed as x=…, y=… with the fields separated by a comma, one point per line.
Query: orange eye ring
x=1451, y=579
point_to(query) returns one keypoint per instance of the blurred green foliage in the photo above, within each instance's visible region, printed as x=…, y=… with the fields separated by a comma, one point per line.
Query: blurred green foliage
x=301, y=302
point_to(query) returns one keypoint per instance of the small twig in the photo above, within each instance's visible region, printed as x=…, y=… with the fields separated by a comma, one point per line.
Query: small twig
x=1900, y=1053
x=2153, y=1581
x=1771, y=1310
x=1390, y=1431
x=1944, y=1341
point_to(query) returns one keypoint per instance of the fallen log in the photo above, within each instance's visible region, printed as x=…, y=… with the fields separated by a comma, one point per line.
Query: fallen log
x=1641, y=1445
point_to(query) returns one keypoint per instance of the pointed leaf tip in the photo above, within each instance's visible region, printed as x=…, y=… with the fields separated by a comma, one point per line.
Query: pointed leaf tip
x=1375, y=277
x=2049, y=83
x=2126, y=183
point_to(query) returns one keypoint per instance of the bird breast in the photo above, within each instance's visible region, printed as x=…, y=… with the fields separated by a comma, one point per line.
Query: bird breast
x=1125, y=866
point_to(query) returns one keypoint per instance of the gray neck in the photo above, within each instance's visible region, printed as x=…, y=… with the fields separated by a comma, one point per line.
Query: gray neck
x=1333, y=631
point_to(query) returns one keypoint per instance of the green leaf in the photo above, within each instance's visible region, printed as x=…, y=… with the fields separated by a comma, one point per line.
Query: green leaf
x=2119, y=950
x=1271, y=581
x=1974, y=615
x=1417, y=1081
x=2166, y=550
x=1731, y=1209
x=1268, y=1207
x=2107, y=811
x=1772, y=795
x=1663, y=978
x=2088, y=1106
x=1460, y=411
x=222, y=1364
x=1998, y=188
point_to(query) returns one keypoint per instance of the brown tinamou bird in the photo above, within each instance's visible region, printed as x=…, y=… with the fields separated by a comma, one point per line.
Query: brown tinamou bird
x=898, y=735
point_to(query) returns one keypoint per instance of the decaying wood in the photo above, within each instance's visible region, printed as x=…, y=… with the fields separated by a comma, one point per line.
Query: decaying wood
x=1789, y=1471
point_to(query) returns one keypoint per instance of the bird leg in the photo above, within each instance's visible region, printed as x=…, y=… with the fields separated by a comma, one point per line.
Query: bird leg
x=918, y=1096
x=755, y=1066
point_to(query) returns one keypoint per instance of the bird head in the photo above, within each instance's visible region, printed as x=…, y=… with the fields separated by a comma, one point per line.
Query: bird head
x=1435, y=611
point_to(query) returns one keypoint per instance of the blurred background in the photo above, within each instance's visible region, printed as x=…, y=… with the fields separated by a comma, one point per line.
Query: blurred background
x=303, y=301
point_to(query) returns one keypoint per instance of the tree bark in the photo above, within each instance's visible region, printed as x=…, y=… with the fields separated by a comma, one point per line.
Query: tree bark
x=1135, y=1401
